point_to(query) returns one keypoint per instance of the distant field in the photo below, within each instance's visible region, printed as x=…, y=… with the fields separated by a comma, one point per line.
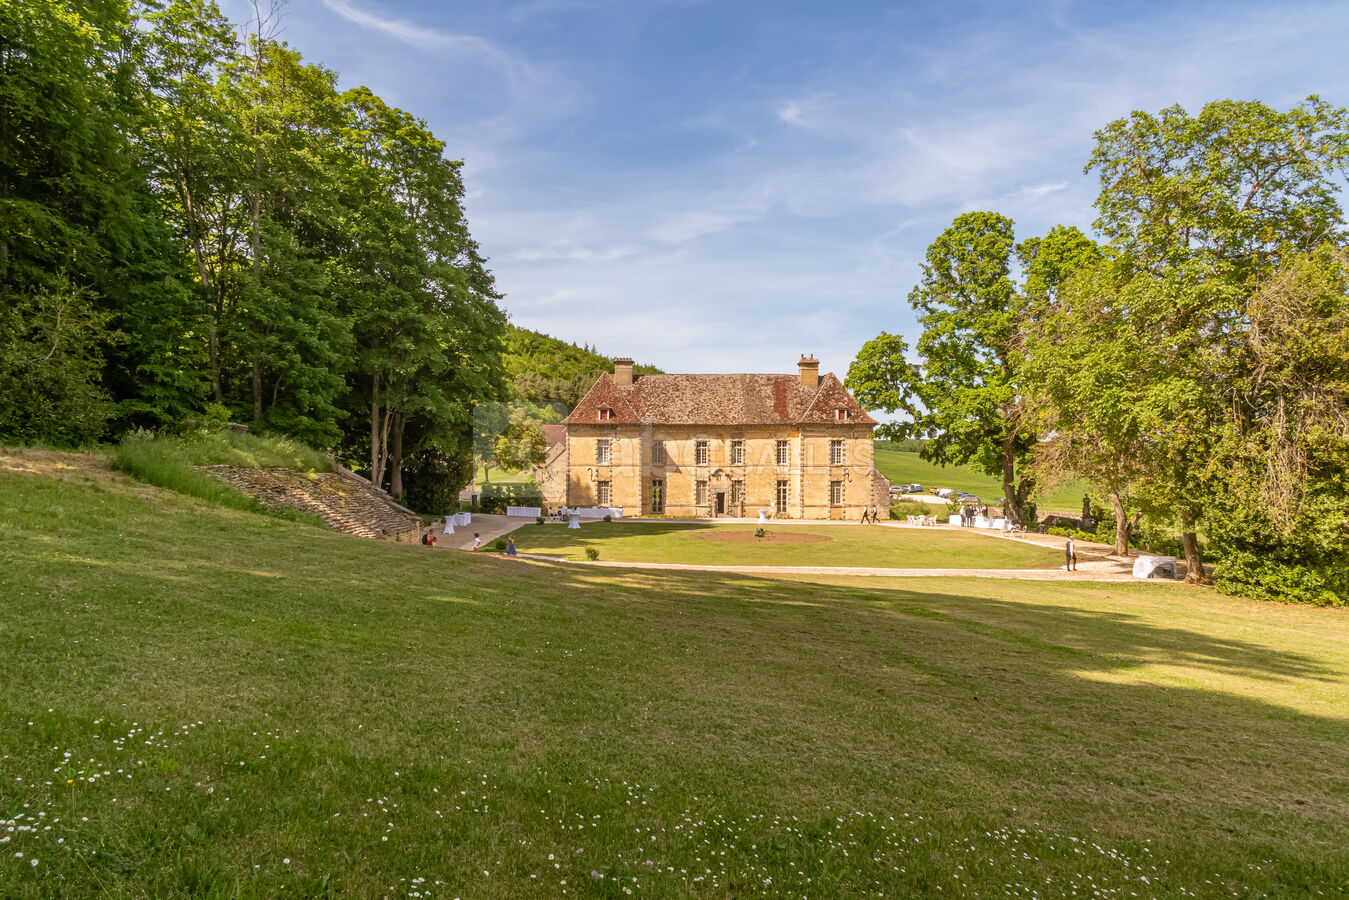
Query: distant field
x=207, y=702
x=502, y=476
x=818, y=545
x=905, y=467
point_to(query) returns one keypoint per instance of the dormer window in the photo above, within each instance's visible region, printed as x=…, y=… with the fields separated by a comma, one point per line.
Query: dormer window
x=840, y=415
x=606, y=413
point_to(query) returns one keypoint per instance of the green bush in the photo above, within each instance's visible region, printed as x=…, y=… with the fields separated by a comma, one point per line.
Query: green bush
x=901, y=508
x=1075, y=533
x=1309, y=563
x=496, y=546
x=496, y=497
x=592, y=554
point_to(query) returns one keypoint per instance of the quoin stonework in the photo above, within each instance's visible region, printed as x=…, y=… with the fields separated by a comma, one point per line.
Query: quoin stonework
x=794, y=446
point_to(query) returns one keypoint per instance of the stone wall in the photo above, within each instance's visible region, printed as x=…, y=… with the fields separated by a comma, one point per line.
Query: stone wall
x=344, y=501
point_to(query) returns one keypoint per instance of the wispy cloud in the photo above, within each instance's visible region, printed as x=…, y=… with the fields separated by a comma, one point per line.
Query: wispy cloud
x=432, y=39
x=661, y=178
x=801, y=111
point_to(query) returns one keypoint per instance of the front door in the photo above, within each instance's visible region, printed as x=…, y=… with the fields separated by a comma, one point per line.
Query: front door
x=721, y=503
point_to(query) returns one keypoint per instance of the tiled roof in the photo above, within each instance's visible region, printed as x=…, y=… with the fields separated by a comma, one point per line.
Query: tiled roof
x=553, y=434
x=718, y=400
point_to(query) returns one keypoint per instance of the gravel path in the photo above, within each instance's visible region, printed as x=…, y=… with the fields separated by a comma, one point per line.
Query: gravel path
x=1095, y=570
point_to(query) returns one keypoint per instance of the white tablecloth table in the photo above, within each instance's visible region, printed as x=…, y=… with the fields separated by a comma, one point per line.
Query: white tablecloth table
x=532, y=511
x=573, y=520
x=1155, y=567
x=599, y=512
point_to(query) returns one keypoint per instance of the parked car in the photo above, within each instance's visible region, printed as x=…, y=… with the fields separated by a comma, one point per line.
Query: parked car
x=944, y=493
x=965, y=497
x=906, y=489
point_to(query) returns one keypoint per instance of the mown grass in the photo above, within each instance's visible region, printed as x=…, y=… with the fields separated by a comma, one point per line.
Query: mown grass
x=841, y=545
x=201, y=702
x=907, y=467
x=170, y=462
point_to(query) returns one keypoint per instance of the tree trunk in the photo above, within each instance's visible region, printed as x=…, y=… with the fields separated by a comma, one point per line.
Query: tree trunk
x=257, y=388
x=1122, y=524
x=204, y=273
x=213, y=360
x=1011, y=507
x=396, y=457
x=375, y=474
x=1194, y=560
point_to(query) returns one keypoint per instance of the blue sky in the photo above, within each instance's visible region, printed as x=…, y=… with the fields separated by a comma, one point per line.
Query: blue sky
x=722, y=186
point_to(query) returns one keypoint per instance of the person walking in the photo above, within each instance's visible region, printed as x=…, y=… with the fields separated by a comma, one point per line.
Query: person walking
x=1070, y=553
x=477, y=542
x=865, y=512
x=510, y=545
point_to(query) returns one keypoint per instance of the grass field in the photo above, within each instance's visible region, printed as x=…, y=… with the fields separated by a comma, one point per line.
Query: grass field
x=831, y=545
x=906, y=467
x=198, y=701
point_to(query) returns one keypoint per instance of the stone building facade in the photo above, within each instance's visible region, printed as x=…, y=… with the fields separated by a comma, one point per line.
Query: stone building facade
x=795, y=446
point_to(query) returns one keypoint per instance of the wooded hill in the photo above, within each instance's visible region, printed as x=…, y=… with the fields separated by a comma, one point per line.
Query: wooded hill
x=544, y=369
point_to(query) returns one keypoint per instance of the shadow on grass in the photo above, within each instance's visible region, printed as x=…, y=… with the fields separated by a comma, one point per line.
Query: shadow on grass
x=957, y=700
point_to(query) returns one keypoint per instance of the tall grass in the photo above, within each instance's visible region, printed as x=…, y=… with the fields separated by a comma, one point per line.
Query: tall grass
x=170, y=462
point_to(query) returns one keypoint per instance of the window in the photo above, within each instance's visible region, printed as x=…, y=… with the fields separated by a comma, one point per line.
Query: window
x=737, y=453
x=837, y=456
x=658, y=496
x=606, y=413
x=602, y=452
x=737, y=492
x=782, y=453
x=700, y=453
x=602, y=493
x=658, y=453
x=700, y=493
x=835, y=493
x=840, y=415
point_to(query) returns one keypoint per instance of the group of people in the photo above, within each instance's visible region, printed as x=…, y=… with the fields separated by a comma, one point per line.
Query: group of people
x=869, y=514
x=429, y=540
x=969, y=513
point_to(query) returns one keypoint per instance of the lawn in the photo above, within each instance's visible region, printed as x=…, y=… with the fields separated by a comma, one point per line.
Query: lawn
x=198, y=701
x=907, y=467
x=784, y=545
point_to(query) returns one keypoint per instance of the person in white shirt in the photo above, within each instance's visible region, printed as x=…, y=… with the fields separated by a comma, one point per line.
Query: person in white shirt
x=1070, y=552
x=477, y=542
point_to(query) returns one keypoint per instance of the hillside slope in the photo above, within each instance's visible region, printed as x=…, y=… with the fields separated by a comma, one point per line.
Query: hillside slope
x=198, y=701
x=547, y=370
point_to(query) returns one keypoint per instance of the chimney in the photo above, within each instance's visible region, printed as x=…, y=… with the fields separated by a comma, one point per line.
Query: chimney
x=623, y=371
x=810, y=371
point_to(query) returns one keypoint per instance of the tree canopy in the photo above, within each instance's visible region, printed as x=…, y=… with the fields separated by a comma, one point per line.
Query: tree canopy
x=1190, y=362
x=195, y=224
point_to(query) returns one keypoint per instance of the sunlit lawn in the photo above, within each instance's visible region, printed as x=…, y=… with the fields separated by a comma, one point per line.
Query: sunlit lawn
x=204, y=702
x=832, y=545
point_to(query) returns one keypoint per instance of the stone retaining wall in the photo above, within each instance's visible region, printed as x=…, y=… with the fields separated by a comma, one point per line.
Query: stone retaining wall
x=344, y=502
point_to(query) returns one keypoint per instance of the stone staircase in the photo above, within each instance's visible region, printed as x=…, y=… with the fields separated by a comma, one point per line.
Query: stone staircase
x=345, y=501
